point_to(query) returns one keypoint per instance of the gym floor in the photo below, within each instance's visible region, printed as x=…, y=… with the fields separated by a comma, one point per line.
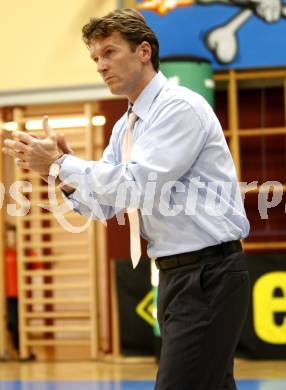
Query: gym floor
x=251, y=375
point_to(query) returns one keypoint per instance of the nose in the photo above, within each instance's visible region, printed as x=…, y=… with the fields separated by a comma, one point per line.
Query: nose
x=101, y=66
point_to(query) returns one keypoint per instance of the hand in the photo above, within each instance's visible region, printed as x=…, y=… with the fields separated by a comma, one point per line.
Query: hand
x=269, y=10
x=62, y=144
x=64, y=147
x=34, y=153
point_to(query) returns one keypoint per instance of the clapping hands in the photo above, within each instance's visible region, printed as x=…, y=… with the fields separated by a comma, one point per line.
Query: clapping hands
x=36, y=154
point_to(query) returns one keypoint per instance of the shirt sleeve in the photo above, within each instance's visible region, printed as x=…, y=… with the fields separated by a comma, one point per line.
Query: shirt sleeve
x=74, y=172
x=167, y=149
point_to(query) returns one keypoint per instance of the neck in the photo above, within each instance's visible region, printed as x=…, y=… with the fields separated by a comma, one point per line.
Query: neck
x=148, y=76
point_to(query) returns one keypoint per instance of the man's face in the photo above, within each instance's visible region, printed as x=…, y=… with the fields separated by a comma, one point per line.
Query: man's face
x=120, y=67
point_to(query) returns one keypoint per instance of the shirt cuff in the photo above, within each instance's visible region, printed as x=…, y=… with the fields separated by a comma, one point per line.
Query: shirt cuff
x=73, y=203
x=72, y=166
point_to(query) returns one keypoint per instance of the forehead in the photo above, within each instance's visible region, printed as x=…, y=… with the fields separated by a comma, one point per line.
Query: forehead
x=99, y=44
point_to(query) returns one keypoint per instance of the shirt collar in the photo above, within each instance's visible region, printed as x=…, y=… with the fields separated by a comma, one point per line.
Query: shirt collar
x=144, y=101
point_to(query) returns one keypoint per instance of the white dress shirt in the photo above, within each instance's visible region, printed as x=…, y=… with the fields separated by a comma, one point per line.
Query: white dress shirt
x=181, y=174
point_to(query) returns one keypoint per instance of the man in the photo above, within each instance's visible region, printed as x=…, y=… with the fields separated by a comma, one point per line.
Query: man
x=184, y=186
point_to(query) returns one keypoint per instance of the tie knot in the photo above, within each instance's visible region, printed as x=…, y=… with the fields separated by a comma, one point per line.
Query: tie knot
x=131, y=120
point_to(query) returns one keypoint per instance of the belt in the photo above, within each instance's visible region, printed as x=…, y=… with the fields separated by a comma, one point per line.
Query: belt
x=179, y=260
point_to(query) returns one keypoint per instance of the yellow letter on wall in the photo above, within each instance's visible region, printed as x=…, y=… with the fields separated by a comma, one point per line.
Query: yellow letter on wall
x=265, y=305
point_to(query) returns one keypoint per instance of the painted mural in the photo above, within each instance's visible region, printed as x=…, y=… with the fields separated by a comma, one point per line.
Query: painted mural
x=230, y=33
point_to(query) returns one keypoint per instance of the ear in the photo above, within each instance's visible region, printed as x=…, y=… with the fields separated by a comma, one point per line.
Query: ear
x=145, y=51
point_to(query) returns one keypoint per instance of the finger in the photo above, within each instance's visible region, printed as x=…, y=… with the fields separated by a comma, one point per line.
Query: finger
x=22, y=164
x=35, y=136
x=16, y=145
x=62, y=144
x=23, y=137
x=9, y=143
x=49, y=131
x=21, y=156
x=12, y=153
x=8, y=152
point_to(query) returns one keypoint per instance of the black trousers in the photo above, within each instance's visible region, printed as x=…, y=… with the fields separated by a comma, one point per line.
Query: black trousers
x=201, y=311
x=13, y=320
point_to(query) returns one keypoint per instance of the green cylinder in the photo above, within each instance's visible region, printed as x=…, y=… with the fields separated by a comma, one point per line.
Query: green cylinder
x=191, y=72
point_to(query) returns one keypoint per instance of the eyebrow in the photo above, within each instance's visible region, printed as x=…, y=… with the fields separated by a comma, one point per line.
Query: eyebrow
x=110, y=45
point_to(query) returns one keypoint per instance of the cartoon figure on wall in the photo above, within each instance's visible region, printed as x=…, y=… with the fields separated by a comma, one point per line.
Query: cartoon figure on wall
x=222, y=40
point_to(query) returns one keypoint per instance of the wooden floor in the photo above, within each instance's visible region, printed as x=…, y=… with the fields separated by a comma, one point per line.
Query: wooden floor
x=128, y=370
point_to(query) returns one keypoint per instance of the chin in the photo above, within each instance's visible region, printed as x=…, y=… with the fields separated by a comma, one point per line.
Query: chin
x=116, y=91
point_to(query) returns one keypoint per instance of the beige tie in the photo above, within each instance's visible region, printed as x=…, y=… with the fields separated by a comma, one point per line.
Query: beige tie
x=133, y=216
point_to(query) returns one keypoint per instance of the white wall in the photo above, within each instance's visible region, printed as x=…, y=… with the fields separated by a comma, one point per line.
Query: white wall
x=41, y=46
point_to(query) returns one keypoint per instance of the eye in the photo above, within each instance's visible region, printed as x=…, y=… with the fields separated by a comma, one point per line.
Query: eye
x=108, y=52
x=95, y=59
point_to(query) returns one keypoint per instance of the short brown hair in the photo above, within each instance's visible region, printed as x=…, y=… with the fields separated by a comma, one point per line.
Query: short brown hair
x=130, y=24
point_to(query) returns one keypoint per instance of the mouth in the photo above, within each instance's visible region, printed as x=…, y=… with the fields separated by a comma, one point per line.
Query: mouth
x=107, y=79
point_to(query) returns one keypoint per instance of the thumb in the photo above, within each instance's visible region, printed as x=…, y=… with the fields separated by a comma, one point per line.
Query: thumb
x=48, y=130
x=62, y=144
